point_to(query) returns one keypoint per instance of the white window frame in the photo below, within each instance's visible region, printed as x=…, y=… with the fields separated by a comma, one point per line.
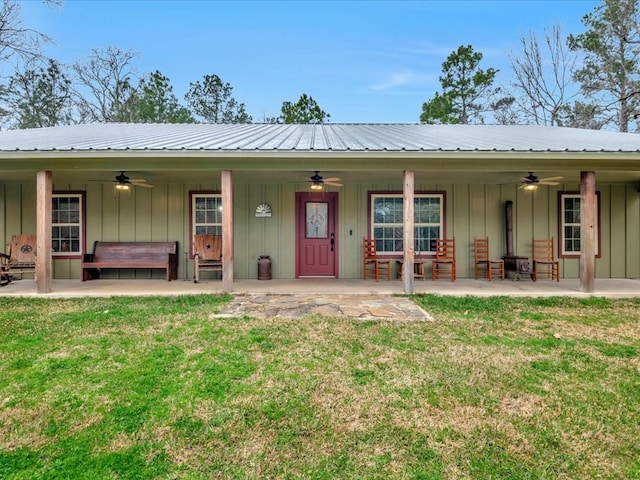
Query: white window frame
x=213, y=226
x=57, y=250
x=380, y=244
x=562, y=224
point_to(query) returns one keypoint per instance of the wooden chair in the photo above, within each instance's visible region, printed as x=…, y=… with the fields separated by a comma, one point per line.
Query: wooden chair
x=371, y=262
x=19, y=259
x=544, y=261
x=207, y=254
x=483, y=264
x=445, y=262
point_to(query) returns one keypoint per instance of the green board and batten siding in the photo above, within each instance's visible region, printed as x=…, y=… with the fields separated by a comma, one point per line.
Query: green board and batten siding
x=162, y=214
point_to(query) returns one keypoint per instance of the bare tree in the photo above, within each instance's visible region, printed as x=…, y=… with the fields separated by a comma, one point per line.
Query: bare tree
x=610, y=75
x=15, y=38
x=105, y=86
x=543, y=79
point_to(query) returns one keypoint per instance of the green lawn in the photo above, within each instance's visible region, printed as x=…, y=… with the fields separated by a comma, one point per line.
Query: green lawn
x=494, y=388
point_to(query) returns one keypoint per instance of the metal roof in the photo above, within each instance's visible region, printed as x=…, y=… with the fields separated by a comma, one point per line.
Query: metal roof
x=315, y=138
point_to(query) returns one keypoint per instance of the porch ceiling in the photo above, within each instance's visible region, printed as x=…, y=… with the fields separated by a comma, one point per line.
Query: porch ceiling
x=299, y=176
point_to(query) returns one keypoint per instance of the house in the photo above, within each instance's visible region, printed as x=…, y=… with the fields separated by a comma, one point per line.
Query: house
x=252, y=184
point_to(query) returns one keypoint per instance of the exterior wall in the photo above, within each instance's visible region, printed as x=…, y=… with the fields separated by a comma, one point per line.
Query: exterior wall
x=162, y=214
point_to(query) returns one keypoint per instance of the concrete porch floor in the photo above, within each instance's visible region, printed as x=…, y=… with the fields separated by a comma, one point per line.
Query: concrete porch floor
x=610, y=288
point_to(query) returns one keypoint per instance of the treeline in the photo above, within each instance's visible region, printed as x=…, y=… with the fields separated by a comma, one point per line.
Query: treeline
x=45, y=93
x=590, y=80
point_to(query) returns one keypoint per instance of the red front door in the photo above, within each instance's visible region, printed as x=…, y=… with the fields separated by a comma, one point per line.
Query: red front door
x=316, y=236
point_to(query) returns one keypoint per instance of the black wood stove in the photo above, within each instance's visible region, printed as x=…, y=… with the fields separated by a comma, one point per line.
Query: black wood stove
x=513, y=263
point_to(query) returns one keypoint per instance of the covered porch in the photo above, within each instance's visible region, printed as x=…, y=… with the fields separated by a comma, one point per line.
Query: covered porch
x=461, y=179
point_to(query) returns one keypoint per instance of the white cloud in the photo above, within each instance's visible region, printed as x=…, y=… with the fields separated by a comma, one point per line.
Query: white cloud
x=403, y=80
x=398, y=79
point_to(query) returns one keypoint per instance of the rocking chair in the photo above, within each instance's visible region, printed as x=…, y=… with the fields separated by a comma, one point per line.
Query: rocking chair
x=444, y=264
x=544, y=260
x=483, y=263
x=19, y=259
x=371, y=263
x=207, y=254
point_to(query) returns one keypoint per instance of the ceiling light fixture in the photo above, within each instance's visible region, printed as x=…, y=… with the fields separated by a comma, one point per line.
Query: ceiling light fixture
x=530, y=187
x=316, y=187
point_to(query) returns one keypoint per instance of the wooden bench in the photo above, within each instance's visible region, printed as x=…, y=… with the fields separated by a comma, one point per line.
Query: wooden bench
x=131, y=255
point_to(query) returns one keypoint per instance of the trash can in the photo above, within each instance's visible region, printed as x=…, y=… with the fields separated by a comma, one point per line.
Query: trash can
x=264, y=267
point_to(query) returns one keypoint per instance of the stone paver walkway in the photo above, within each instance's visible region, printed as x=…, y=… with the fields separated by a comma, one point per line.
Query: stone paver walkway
x=296, y=306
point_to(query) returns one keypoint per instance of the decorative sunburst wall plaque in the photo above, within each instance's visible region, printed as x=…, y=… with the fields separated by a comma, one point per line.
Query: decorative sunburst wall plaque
x=263, y=210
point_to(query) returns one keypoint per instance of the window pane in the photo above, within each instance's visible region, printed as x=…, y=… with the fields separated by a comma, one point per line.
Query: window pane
x=387, y=210
x=425, y=238
x=317, y=226
x=66, y=231
x=387, y=221
x=570, y=219
x=427, y=210
x=388, y=239
x=207, y=214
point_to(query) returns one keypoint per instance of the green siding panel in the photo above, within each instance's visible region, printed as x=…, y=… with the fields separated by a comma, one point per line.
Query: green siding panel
x=617, y=236
x=633, y=233
x=603, y=263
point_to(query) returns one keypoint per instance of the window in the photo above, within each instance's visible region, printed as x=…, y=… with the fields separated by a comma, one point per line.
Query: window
x=569, y=228
x=67, y=221
x=386, y=221
x=206, y=213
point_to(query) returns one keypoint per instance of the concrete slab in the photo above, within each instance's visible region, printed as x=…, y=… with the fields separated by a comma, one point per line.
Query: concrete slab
x=611, y=288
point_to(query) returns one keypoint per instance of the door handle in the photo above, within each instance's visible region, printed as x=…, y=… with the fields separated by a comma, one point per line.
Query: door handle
x=333, y=241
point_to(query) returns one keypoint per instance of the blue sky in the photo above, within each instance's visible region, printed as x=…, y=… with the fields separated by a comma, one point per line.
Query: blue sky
x=362, y=61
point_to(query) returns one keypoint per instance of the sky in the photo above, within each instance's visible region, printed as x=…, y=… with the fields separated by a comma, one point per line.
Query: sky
x=362, y=61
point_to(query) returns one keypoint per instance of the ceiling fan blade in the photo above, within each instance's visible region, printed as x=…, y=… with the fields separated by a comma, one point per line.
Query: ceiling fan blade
x=551, y=179
x=548, y=183
x=332, y=179
x=142, y=184
x=333, y=184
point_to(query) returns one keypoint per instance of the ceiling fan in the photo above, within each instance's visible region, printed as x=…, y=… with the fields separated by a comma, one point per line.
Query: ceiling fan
x=123, y=182
x=531, y=181
x=318, y=181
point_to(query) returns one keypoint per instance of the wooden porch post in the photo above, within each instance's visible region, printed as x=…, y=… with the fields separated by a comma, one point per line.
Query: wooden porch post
x=407, y=273
x=44, y=262
x=587, y=231
x=227, y=230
